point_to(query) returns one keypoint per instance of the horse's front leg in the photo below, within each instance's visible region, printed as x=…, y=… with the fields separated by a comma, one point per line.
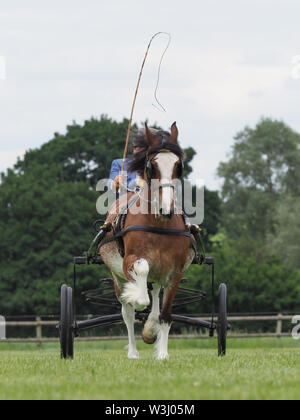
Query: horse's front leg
x=135, y=292
x=149, y=333
x=128, y=313
x=166, y=320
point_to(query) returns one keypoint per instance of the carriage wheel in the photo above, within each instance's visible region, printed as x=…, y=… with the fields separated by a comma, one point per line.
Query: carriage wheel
x=222, y=326
x=67, y=323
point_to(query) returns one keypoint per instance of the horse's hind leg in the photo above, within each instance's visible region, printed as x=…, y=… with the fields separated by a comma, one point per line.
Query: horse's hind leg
x=128, y=313
x=165, y=322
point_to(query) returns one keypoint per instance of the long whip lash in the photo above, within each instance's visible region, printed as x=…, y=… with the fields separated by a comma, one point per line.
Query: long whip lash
x=137, y=89
x=158, y=76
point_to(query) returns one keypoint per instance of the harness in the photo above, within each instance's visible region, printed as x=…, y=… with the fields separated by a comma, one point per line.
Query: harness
x=142, y=228
x=119, y=232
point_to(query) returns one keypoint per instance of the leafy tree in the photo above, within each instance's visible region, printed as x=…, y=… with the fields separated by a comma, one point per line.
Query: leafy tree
x=254, y=286
x=212, y=216
x=264, y=164
x=43, y=224
x=285, y=242
x=190, y=153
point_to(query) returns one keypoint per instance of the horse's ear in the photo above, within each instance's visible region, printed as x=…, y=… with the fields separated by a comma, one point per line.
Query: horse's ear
x=174, y=134
x=151, y=139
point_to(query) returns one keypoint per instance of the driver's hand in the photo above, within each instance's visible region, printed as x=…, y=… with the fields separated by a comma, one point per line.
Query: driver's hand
x=117, y=182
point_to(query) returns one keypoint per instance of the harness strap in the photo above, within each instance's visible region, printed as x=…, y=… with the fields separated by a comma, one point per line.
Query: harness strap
x=158, y=231
x=149, y=229
x=198, y=245
x=120, y=223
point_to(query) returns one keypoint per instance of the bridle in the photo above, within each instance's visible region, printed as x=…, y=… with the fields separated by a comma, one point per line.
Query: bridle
x=150, y=167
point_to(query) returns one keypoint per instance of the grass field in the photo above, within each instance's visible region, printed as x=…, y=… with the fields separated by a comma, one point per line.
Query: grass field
x=253, y=369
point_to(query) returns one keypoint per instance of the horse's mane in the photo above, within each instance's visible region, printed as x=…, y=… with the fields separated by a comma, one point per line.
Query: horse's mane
x=137, y=162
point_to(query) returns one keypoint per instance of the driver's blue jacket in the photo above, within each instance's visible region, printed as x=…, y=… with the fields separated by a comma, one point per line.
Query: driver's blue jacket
x=116, y=169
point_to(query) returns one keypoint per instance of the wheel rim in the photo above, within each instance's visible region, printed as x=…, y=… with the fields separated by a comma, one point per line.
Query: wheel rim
x=71, y=324
x=222, y=321
x=67, y=323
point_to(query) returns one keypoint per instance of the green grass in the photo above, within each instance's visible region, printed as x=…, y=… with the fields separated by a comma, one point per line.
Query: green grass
x=253, y=369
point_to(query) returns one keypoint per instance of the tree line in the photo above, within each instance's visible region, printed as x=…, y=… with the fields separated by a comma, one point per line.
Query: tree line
x=47, y=206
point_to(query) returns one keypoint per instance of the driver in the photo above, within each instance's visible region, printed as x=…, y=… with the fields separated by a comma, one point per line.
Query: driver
x=133, y=181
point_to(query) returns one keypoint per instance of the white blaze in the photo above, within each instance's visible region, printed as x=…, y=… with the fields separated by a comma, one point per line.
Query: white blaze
x=166, y=163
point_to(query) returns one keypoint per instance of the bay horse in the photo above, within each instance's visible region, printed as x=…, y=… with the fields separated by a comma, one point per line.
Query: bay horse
x=151, y=257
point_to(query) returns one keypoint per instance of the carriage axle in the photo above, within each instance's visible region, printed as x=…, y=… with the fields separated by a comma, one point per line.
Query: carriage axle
x=118, y=318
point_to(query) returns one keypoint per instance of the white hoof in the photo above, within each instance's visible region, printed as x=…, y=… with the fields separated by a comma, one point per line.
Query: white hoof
x=163, y=356
x=133, y=354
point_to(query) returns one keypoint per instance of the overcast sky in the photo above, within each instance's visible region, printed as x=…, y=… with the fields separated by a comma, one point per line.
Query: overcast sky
x=230, y=62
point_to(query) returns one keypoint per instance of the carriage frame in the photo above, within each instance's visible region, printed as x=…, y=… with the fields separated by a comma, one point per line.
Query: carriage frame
x=69, y=328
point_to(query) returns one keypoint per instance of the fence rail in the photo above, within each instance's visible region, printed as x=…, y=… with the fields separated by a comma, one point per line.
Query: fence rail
x=38, y=324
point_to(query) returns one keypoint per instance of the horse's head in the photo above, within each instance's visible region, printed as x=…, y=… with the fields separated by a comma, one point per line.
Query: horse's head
x=164, y=165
